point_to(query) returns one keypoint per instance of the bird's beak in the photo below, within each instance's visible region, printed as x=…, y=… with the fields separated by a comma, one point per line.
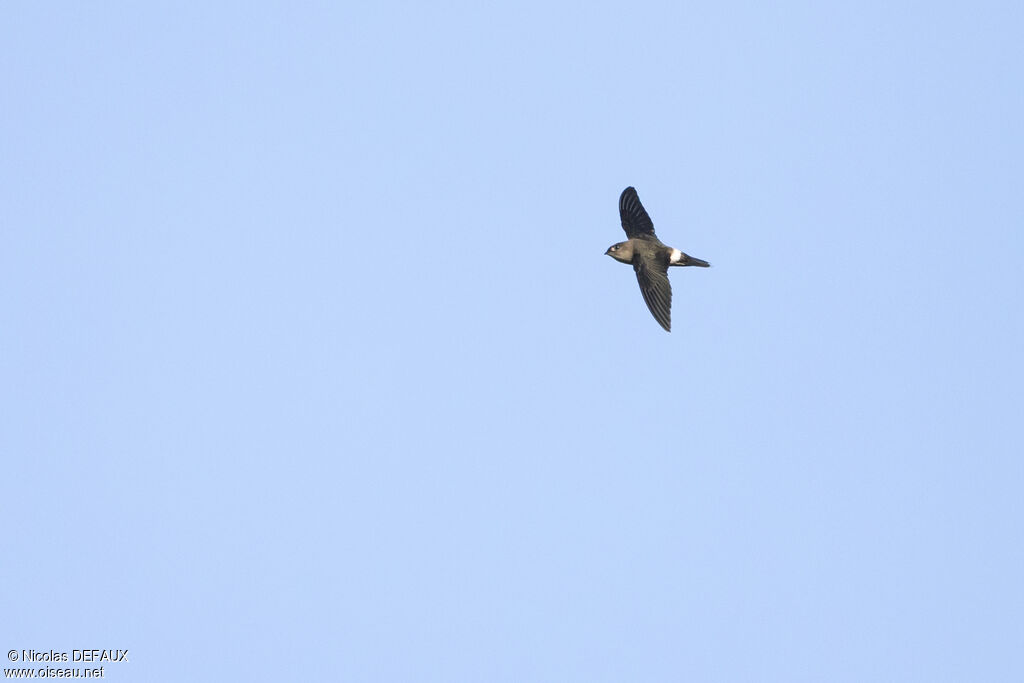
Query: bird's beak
x=690, y=261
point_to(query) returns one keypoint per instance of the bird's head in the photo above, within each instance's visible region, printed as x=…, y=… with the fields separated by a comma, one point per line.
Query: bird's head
x=622, y=251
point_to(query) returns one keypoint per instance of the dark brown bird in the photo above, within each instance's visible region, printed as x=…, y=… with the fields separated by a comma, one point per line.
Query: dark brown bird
x=649, y=257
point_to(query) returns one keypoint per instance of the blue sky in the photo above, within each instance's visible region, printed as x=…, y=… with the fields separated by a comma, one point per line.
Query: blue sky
x=313, y=366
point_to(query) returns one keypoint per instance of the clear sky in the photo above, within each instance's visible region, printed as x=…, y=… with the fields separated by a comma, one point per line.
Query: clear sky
x=313, y=367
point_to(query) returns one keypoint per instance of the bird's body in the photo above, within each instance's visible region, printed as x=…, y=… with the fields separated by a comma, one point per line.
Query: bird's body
x=649, y=257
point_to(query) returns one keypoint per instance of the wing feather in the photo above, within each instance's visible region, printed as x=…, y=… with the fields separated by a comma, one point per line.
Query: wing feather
x=635, y=220
x=656, y=290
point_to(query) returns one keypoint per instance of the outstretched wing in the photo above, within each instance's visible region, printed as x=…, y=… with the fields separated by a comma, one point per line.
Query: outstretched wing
x=654, y=285
x=635, y=220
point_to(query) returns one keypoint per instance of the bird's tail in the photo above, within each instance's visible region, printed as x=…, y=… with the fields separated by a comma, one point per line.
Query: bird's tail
x=688, y=260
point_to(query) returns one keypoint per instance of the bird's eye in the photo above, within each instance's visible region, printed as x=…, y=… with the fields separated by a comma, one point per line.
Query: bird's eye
x=615, y=248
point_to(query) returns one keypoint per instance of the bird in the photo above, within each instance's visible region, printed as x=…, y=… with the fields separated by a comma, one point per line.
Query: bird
x=649, y=257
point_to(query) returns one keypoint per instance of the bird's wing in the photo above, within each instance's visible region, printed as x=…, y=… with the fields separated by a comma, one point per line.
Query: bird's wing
x=635, y=220
x=654, y=285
